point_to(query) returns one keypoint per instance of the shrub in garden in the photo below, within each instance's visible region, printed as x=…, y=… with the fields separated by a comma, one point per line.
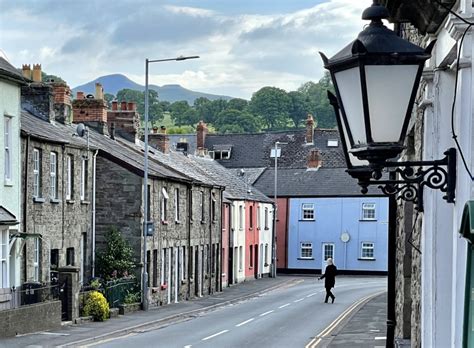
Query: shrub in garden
x=96, y=306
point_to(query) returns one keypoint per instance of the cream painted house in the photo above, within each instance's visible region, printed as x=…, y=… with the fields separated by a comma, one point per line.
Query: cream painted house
x=10, y=212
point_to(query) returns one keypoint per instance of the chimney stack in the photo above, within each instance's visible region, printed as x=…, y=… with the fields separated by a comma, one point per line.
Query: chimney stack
x=26, y=70
x=160, y=140
x=37, y=73
x=62, y=102
x=99, y=91
x=91, y=111
x=126, y=120
x=309, y=129
x=314, y=159
x=201, y=137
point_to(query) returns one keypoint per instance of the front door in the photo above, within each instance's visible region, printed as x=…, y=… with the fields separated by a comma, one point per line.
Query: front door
x=327, y=252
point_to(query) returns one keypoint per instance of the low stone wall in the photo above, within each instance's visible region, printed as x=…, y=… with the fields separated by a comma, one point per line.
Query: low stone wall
x=31, y=318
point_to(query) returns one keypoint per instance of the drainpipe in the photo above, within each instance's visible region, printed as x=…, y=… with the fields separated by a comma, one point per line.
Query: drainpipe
x=209, y=257
x=93, y=209
x=220, y=244
x=190, y=249
x=25, y=186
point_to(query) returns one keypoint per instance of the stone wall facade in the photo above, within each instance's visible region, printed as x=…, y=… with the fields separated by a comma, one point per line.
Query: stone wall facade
x=59, y=226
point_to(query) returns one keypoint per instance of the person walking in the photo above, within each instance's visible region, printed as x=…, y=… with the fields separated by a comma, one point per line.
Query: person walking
x=329, y=277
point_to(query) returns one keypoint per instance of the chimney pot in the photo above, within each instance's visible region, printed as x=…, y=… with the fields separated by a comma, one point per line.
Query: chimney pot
x=123, y=106
x=26, y=70
x=37, y=73
x=99, y=91
x=155, y=130
x=201, y=135
x=309, y=129
x=131, y=106
x=114, y=105
x=80, y=95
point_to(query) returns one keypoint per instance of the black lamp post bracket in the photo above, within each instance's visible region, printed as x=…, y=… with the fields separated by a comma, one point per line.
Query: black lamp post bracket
x=410, y=177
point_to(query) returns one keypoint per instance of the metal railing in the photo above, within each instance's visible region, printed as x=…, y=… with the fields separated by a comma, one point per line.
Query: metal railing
x=31, y=293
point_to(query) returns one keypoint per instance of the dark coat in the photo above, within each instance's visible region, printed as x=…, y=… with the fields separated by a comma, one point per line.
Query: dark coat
x=329, y=276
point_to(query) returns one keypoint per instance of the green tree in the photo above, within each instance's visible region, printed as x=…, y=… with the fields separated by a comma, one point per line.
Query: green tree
x=272, y=105
x=117, y=259
x=203, y=107
x=237, y=104
x=299, y=107
x=108, y=98
x=316, y=95
x=180, y=112
x=236, y=121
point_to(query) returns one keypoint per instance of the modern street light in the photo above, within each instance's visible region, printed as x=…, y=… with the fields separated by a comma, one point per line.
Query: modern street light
x=148, y=227
x=274, y=247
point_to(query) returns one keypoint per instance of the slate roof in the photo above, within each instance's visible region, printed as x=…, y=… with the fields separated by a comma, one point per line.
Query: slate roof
x=9, y=72
x=250, y=174
x=6, y=217
x=324, y=182
x=253, y=150
x=56, y=133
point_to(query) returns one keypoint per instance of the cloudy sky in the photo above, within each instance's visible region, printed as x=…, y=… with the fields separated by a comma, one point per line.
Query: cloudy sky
x=244, y=44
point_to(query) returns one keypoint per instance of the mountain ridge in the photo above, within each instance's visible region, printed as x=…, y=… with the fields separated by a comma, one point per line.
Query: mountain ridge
x=113, y=83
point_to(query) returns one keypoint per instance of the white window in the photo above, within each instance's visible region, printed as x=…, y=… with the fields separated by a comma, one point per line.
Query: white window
x=328, y=251
x=69, y=176
x=266, y=218
x=203, y=216
x=4, y=259
x=241, y=259
x=53, y=170
x=36, y=259
x=266, y=254
x=307, y=211
x=367, y=250
x=213, y=206
x=333, y=143
x=7, y=146
x=232, y=214
x=164, y=204
x=183, y=263
x=176, y=204
x=162, y=266
x=241, y=217
x=36, y=173
x=306, y=250
x=368, y=211
x=84, y=167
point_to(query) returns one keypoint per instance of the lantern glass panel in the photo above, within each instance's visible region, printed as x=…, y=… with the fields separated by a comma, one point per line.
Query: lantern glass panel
x=354, y=161
x=389, y=89
x=348, y=83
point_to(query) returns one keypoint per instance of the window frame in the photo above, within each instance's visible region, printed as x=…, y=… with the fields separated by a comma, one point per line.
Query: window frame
x=201, y=204
x=69, y=177
x=37, y=182
x=176, y=205
x=364, y=246
x=84, y=174
x=366, y=217
x=4, y=264
x=266, y=218
x=310, y=211
x=7, y=148
x=164, y=205
x=53, y=175
x=241, y=217
x=306, y=248
x=36, y=259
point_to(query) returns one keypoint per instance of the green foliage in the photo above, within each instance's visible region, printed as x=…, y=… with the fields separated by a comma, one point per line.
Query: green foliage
x=96, y=306
x=235, y=121
x=180, y=110
x=117, y=259
x=299, y=108
x=181, y=130
x=155, y=110
x=48, y=78
x=132, y=297
x=316, y=95
x=108, y=98
x=95, y=284
x=237, y=104
x=272, y=105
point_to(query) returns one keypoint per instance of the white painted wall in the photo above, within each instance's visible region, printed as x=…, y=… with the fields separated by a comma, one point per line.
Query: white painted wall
x=265, y=237
x=239, y=238
x=10, y=191
x=444, y=253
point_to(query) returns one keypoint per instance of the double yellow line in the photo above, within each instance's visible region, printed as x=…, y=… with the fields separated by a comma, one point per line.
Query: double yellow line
x=330, y=328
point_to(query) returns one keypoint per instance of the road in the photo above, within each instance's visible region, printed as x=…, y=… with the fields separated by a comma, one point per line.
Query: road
x=286, y=317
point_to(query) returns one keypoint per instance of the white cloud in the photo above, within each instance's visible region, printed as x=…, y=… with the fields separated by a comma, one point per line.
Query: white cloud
x=239, y=53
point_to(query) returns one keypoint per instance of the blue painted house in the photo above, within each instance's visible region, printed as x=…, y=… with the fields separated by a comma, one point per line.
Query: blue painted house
x=351, y=230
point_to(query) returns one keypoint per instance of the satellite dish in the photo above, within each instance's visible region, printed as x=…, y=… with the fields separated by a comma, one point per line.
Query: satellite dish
x=81, y=129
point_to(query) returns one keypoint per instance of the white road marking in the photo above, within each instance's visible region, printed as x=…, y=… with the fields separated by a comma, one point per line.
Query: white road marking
x=299, y=300
x=188, y=346
x=285, y=305
x=53, y=333
x=380, y=338
x=245, y=322
x=312, y=294
x=212, y=336
x=263, y=314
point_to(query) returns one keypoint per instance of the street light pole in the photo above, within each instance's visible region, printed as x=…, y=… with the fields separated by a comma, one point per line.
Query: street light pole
x=146, y=223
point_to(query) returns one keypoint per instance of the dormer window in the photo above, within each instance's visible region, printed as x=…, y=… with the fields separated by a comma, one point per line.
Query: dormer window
x=272, y=153
x=333, y=143
x=221, y=152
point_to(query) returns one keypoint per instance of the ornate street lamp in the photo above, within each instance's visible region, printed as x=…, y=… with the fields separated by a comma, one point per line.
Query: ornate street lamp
x=376, y=79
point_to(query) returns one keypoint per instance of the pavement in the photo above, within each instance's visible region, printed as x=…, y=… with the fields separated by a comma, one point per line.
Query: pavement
x=365, y=327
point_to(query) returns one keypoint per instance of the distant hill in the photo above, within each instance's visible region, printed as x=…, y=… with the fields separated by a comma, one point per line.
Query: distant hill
x=115, y=82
